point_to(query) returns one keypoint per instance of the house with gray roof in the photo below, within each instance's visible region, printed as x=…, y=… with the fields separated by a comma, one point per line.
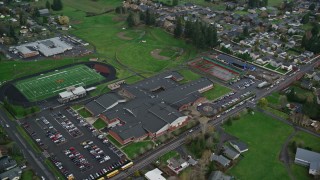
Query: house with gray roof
x=148, y=108
x=177, y=164
x=230, y=153
x=308, y=158
x=239, y=146
x=223, y=161
x=218, y=175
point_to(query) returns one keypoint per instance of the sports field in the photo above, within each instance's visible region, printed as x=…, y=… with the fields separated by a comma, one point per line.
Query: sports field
x=50, y=84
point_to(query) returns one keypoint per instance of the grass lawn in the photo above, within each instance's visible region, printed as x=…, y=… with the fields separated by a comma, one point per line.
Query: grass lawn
x=282, y=71
x=265, y=137
x=134, y=149
x=24, y=134
x=274, y=2
x=273, y=98
x=133, y=79
x=242, y=13
x=303, y=93
x=23, y=68
x=99, y=124
x=188, y=75
x=77, y=106
x=53, y=169
x=50, y=84
x=115, y=142
x=270, y=67
x=171, y=154
x=276, y=112
x=307, y=140
x=84, y=113
x=21, y=111
x=29, y=175
x=100, y=89
x=216, y=92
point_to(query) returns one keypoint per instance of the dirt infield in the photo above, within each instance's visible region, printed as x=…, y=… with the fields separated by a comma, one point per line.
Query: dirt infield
x=122, y=35
x=156, y=54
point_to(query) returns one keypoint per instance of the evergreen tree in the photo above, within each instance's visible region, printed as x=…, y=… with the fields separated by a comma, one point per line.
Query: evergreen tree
x=312, y=7
x=148, y=18
x=130, y=20
x=48, y=5
x=246, y=31
x=22, y=19
x=57, y=5
x=175, y=2
x=188, y=29
x=178, y=28
x=12, y=33
x=305, y=19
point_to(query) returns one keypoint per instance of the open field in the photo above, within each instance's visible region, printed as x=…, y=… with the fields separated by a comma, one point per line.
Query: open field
x=216, y=92
x=132, y=53
x=265, y=137
x=52, y=83
x=134, y=149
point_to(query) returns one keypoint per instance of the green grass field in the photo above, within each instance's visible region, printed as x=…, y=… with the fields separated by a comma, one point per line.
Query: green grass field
x=134, y=149
x=99, y=124
x=52, y=83
x=265, y=137
x=216, y=92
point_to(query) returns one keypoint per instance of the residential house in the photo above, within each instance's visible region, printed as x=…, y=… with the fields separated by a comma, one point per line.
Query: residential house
x=221, y=160
x=308, y=158
x=316, y=77
x=230, y=153
x=9, y=168
x=155, y=174
x=287, y=66
x=239, y=146
x=44, y=12
x=307, y=84
x=275, y=63
x=177, y=164
x=264, y=60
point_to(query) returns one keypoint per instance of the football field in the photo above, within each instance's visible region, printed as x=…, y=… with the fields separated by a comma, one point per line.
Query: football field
x=50, y=84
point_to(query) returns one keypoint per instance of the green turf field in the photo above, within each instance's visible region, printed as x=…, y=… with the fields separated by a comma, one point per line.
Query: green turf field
x=52, y=83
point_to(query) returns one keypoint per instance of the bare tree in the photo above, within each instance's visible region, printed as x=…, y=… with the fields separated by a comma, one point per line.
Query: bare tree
x=203, y=123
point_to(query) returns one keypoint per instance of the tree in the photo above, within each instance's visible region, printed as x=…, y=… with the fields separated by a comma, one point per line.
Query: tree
x=263, y=102
x=63, y=20
x=188, y=29
x=22, y=19
x=178, y=28
x=12, y=33
x=283, y=101
x=246, y=31
x=57, y=5
x=130, y=20
x=48, y=5
x=175, y=2
x=203, y=122
x=305, y=19
x=312, y=7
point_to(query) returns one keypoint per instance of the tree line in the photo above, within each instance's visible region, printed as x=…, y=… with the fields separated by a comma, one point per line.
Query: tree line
x=311, y=39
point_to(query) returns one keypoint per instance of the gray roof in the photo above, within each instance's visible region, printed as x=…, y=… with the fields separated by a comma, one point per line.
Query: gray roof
x=103, y=103
x=151, y=108
x=220, y=159
x=307, y=156
x=6, y=163
x=241, y=146
x=218, y=175
x=11, y=174
x=230, y=153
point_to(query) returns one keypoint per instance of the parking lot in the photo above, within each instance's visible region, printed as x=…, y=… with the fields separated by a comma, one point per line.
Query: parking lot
x=75, y=147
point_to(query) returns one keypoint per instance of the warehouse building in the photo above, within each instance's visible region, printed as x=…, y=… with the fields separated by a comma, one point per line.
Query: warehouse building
x=47, y=47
